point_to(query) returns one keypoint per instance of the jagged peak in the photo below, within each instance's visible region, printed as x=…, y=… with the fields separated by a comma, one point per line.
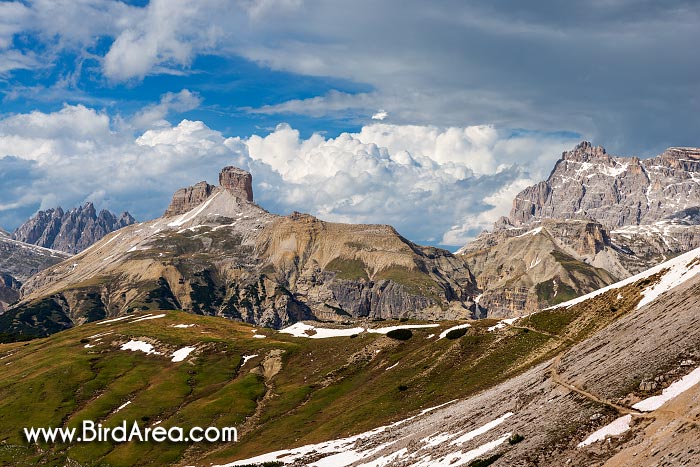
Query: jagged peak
x=682, y=152
x=584, y=151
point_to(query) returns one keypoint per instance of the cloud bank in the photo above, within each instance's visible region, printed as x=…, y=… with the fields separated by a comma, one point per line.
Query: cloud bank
x=435, y=185
x=622, y=73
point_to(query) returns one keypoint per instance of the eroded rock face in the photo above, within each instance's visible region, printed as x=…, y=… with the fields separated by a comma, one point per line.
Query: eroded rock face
x=186, y=199
x=9, y=290
x=70, y=231
x=615, y=191
x=237, y=181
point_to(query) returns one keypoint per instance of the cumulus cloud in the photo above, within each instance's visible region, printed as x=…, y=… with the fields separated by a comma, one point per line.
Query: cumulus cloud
x=76, y=154
x=381, y=115
x=154, y=115
x=441, y=186
x=435, y=185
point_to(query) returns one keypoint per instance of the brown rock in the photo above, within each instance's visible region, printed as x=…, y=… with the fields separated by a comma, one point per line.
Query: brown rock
x=237, y=181
x=186, y=199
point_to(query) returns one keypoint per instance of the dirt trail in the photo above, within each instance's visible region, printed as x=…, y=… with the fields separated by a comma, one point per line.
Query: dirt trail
x=658, y=413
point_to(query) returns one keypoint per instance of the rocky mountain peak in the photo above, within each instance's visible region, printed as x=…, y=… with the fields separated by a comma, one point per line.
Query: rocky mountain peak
x=186, y=199
x=237, y=181
x=70, y=231
x=615, y=191
x=584, y=152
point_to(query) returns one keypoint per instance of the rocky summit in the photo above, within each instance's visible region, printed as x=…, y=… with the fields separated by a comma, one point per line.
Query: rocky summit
x=215, y=252
x=70, y=231
x=615, y=191
x=596, y=219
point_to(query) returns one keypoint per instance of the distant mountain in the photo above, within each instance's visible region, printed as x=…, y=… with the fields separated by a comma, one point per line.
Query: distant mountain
x=596, y=219
x=18, y=262
x=615, y=191
x=70, y=231
x=217, y=253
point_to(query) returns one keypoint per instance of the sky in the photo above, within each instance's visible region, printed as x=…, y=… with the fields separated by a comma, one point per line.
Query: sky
x=429, y=116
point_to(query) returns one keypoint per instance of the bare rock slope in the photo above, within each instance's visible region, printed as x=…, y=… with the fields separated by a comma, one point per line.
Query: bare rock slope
x=18, y=262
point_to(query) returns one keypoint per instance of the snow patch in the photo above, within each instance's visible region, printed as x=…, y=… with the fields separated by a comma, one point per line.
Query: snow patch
x=307, y=330
x=114, y=320
x=181, y=354
x=482, y=429
x=616, y=427
x=182, y=326
x=122, y=406
x=148, y=317
x=532, y=232
x=443, y=334
x=502, y=323
x=140, y=346
x=675, y=389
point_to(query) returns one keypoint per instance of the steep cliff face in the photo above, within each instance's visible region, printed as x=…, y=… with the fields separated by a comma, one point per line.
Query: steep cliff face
x=237, y=181
x=70, y=231
x=186, y=199
x=18, y=262
x=615, y=191
x=226, y=256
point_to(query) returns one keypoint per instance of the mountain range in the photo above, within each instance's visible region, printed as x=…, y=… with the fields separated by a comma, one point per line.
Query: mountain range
x=70, y=231
x=215, y=252
x=567, y=335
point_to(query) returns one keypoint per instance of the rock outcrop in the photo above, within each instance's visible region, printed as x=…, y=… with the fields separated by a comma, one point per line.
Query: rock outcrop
x=615, y=191
x=70, y=231
x=186, y=199
x=237, y=181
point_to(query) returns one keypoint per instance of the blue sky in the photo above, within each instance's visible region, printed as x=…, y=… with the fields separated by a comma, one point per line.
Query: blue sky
x=121, y=103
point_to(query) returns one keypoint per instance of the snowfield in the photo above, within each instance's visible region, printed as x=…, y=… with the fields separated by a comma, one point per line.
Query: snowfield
x=680, y=269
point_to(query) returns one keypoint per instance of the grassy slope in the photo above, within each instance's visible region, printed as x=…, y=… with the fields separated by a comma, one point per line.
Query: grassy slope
x=326, y=388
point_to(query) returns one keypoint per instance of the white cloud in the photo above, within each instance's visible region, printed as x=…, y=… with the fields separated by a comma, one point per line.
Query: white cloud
x=434, y=185
x=381, y=115
x=154, y=115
